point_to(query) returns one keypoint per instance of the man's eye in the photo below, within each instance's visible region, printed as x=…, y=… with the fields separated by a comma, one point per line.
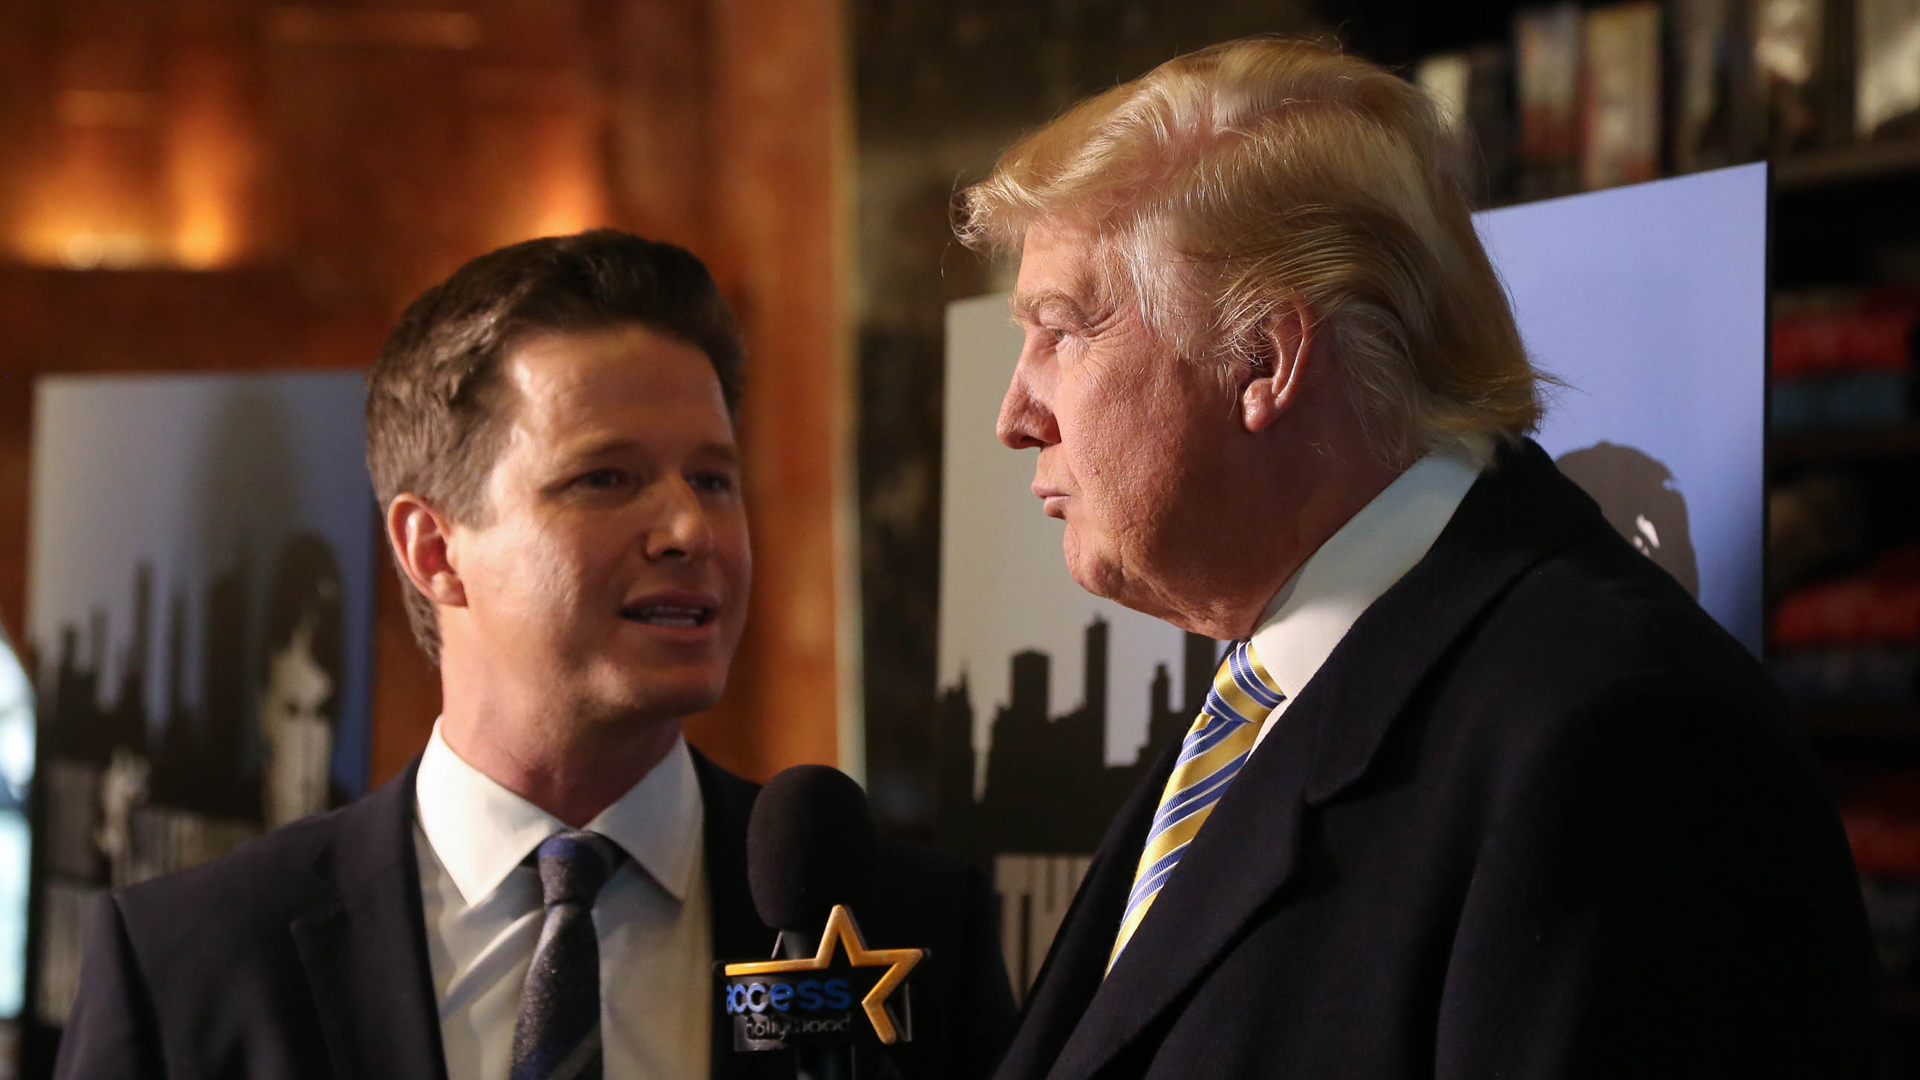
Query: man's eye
x=717, y=483
x=603, y=479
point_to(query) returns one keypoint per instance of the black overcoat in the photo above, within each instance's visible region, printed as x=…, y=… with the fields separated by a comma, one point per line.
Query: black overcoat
x=1537, y=816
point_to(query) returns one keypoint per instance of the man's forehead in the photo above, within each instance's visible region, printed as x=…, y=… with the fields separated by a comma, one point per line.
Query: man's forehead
x=572, y=389
x=1060, y=267
x=607, y=366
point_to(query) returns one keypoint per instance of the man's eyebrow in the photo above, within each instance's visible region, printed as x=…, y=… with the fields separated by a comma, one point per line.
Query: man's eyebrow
x=1029, y=307
x=605, y=446
x=725, y=453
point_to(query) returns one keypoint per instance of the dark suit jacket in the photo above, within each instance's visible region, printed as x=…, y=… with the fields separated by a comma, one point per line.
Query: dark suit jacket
x=304, y=955
x=1537, y=816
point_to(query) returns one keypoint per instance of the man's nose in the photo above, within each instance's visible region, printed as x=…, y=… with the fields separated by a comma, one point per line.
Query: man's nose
x=680, y=527
x=1025, y=421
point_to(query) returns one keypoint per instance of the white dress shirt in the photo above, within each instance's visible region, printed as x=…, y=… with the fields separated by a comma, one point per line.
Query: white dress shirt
x=1372, y=551
x=484, y=912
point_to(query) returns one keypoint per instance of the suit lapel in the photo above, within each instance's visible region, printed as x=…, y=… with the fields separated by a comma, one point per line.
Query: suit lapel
x=726, y=803
x=738, y=933
x=1243, y=856
x=1517, y=514
x=364, y=944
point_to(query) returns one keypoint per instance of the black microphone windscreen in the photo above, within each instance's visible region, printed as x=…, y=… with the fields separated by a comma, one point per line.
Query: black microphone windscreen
x=810, y=845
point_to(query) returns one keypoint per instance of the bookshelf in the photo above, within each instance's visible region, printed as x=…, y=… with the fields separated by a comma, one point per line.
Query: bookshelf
x=1868, y=729
x=1892, y=441
x=1844, y=217
x=1820, y=169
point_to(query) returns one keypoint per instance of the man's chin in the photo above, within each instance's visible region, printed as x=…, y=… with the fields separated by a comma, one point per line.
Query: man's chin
x=1108, y=581
x=657, y=699
x=1101, y=577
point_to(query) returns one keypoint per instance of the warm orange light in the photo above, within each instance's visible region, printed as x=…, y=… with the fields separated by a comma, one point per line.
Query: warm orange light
x=141, y=179
x=571, y=202
x=568, y=191
x=204, y=241
x=544, y=160
x=80, y=220
x=210, y=161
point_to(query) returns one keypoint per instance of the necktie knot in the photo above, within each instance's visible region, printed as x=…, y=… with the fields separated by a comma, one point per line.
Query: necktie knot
x=575, y=865
x=1242, y=691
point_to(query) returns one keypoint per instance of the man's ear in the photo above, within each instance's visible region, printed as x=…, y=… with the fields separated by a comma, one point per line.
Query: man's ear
x=421, y=539
x=1284, y=352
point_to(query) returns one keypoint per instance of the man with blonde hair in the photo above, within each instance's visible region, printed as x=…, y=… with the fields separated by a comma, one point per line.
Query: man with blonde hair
x=1479, y=790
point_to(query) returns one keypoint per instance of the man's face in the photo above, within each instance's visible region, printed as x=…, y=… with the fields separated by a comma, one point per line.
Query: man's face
x=1137, y=445
x=611, y=574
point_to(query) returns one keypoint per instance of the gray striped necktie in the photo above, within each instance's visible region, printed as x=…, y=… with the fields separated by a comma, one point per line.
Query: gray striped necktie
x=557, y=1034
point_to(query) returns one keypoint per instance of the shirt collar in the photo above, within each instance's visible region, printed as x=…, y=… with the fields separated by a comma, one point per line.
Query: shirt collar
x=480, y=831
x=1339, y=581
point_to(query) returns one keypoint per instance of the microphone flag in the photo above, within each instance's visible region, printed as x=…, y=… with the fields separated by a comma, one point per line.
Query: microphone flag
x=846, y=994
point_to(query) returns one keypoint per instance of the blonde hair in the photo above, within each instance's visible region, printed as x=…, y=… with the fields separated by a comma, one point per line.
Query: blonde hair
x=1232, y=182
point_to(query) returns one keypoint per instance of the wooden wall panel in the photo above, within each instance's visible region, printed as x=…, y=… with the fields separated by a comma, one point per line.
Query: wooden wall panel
x=779, y=123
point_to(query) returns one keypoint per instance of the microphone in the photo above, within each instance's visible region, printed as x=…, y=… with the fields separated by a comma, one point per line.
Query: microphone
x=810, y=845
x=810, y=864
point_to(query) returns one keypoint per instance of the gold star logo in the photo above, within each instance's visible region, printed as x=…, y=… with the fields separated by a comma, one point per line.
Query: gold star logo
x=842, y=929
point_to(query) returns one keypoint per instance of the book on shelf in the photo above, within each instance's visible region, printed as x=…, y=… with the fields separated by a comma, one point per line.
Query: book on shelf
x=1791, y=73
x=1816, y=520
x=1490, y=119
x=1547, y=89
x=1620, y=105
x=1845, y=400
x=1714, y=109
x=1473, y=90
x=1866, y=674
x=1878, y=604
x=1444, y=76
x=1886, y=100
x=1825, y=339
x=1881, y=814
x=1844, y=358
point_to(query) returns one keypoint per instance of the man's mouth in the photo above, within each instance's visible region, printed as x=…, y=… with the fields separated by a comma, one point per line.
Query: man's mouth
x=675, y=615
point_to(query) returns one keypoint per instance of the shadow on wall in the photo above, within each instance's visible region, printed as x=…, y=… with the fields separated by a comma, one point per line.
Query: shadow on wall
x=1640, y=498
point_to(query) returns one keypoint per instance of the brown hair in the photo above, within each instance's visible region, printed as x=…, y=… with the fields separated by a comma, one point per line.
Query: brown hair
x=1232, y=181
x=435, y=414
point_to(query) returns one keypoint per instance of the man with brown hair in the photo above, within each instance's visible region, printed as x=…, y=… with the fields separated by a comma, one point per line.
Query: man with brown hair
x=545, y=891
x=1478, y=791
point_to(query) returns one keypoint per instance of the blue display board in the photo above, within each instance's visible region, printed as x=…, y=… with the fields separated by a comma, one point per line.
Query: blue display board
x=1650, y=303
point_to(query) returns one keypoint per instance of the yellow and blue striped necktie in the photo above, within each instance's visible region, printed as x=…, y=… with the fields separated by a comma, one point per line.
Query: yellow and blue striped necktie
x=1215, y=748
